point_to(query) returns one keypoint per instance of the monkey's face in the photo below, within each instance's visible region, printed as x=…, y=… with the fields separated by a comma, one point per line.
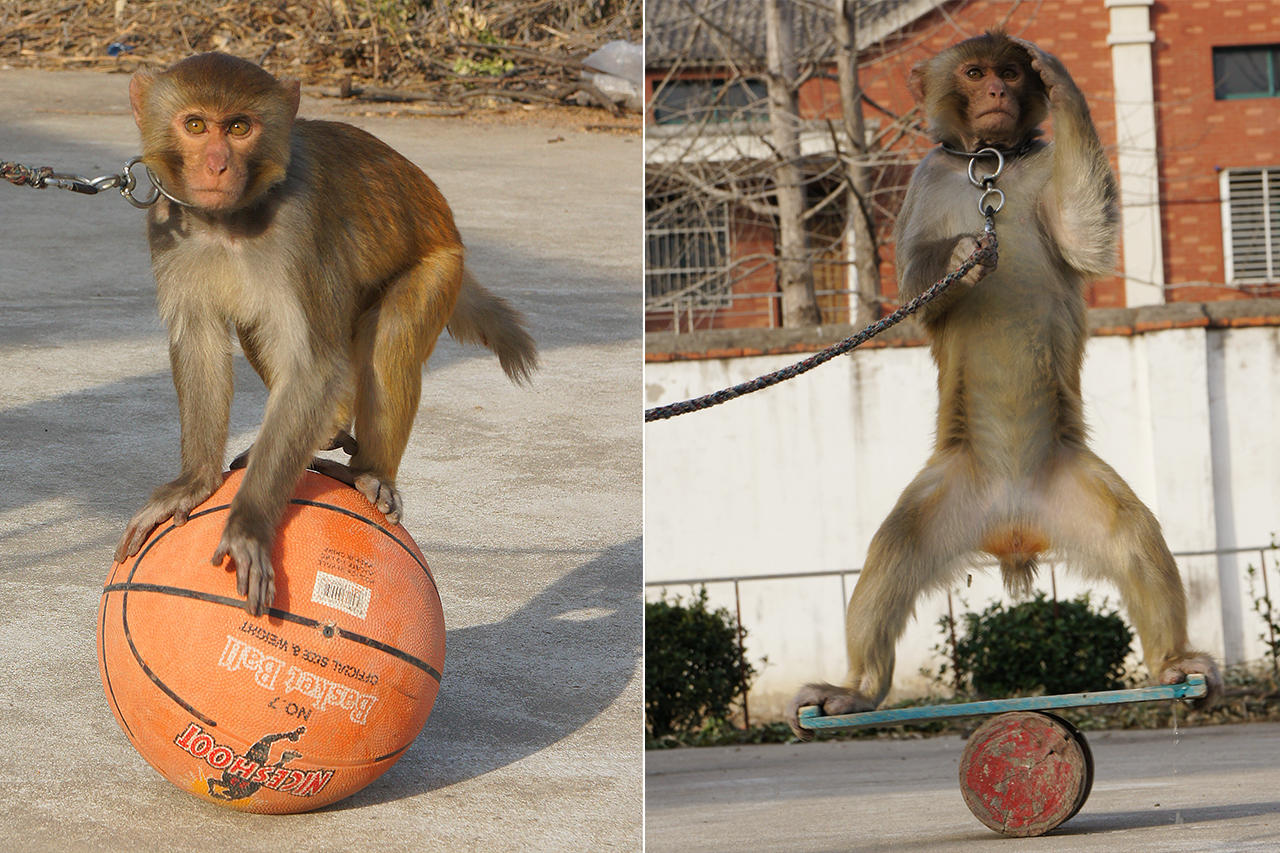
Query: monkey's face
x=993, y=94
x=216, y=130
x=215, y=153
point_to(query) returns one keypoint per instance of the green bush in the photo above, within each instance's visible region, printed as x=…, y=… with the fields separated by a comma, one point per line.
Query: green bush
x=1041, y=646
x=693, y=668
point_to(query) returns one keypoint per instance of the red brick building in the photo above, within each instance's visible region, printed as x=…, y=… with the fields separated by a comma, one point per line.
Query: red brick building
x=1185, y=96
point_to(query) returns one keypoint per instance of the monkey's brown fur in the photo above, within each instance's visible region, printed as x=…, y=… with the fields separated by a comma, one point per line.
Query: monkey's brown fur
x=1011, y=475
x=337, y=263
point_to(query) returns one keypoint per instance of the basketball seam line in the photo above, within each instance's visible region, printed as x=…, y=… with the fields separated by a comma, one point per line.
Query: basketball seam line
x=306, y=621
x=426, y=570
x=371, y=523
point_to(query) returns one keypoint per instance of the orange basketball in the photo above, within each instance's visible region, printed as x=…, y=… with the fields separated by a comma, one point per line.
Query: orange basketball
x=288, y=711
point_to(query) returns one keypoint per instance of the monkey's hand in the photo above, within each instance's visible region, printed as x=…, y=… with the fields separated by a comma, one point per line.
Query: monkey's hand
x=173, y=500
x=831, y=699
x=1176, y=672
x=965, y=246
x=1058, y=85
x=250, y=549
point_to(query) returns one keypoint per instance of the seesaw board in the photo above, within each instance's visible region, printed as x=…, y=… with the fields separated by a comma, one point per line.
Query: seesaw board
x=812, y=718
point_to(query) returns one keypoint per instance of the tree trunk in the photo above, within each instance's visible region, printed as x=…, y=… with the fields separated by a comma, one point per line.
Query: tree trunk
x=861, y=223
x=795, y=270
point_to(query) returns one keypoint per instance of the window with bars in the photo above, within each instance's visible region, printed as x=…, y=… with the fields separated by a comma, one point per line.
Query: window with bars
x=1246, y=72
x=687, y=249
x=1251, y=216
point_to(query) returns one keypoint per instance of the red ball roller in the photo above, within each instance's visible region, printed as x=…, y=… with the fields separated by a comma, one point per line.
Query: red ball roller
x=292, y=710
x=1024, y=773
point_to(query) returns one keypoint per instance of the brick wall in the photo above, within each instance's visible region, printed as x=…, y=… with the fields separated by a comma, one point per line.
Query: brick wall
x=1198, y=136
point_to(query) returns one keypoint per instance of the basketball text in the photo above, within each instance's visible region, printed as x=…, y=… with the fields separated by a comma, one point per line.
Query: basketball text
x=323, y=692
x=198, y=743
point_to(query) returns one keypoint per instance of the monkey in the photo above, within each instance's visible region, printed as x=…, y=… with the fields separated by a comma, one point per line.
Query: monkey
x=1010, y=475
x=336, y=262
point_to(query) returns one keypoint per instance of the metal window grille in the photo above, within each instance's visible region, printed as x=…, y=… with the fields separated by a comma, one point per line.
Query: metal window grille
x=1252, y=217
x=689, y=253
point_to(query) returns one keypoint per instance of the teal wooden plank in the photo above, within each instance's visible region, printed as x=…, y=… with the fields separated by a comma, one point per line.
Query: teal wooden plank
x=812, y=718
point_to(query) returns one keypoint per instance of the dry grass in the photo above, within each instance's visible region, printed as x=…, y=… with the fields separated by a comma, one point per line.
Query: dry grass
x=483, y=53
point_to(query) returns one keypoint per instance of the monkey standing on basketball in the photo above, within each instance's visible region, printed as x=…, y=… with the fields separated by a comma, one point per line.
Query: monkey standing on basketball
x=337, y=263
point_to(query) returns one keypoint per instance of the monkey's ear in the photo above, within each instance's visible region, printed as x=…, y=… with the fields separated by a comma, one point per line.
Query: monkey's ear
x=139, y=86
x=916, y=81
x=292, y=95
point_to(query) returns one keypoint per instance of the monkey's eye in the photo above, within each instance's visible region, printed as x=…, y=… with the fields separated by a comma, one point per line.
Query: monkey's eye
x=239, y=127
x=194, y=125
x=1010, y=73
x=973, y=72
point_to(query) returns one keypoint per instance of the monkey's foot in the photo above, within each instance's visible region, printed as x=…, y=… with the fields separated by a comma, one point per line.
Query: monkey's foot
x=382, y=495
x=241, y=460
x=1176, y=672
x=831, y=699
x=342, y=441
x=336, y=470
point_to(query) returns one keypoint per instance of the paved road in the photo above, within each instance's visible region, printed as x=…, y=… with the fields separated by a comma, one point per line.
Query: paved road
x=526, y=502
x=1202, y=789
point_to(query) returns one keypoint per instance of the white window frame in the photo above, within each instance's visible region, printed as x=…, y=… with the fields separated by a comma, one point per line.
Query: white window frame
x=1260, y=214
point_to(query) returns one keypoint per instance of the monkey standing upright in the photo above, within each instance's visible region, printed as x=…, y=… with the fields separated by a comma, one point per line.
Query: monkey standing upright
x=337, y=263
x=1010, y=475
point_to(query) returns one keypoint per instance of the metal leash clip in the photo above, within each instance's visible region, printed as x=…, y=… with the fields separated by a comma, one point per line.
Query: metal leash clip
x=987, y=183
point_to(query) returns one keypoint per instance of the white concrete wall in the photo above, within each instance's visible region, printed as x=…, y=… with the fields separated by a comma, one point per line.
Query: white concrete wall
x=798, y=477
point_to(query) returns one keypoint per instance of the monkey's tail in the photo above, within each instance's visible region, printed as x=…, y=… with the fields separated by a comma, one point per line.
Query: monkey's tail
x=1018, y=571
x=481, y=317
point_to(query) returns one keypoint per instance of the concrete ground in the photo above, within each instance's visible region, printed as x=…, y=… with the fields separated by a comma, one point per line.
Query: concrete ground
x=526, y=501
x=1201, y=789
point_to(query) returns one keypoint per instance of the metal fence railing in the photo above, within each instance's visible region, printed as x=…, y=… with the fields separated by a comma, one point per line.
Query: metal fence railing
x=1262, y=552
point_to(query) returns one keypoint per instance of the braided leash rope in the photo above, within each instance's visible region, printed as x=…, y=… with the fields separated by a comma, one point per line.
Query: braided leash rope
x=985, y=254
x=18, y=174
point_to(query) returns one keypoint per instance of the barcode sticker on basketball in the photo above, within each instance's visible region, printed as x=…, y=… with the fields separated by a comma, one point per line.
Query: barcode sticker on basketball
x=341, y=594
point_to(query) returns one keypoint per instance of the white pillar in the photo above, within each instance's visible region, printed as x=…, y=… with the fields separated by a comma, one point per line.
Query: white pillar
x=1130, y=39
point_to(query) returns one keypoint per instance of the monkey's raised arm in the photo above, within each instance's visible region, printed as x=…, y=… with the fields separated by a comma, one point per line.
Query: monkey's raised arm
x=1080, y=206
